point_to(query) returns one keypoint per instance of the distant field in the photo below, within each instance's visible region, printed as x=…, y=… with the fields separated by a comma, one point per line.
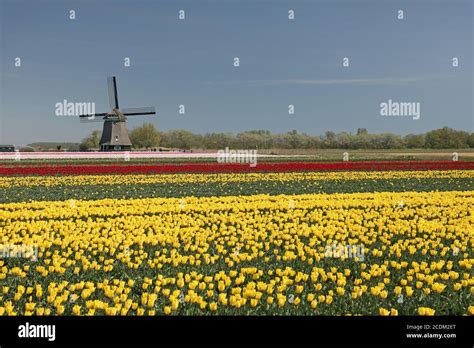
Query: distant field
x=266, y=155
x=398, y=154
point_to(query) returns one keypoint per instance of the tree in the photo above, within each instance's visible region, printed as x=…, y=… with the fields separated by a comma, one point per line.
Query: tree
x=329, y=140
x=264, y=139
x=386, y=141
x=260, y=139
x=446, y=138
x=218, y=140
x=414, y=141
x=181, y=139
x=145, y=136
x=95, y=138
x=470, y=140
x=345, y=140
x=91, y=142
x=296, y=140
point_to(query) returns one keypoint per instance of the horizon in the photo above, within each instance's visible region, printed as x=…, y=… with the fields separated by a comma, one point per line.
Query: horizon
x=244, y=131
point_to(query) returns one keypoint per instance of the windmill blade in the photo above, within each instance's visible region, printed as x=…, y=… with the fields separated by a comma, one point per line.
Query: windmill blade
x=92, y=118
x=113, y=97
x=148, y=110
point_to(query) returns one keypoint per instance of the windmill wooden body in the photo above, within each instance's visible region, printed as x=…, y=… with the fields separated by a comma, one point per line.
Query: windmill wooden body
x=115, y=134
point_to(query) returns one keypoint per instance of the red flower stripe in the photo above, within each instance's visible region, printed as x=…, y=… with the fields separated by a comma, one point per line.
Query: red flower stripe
x=231, y=168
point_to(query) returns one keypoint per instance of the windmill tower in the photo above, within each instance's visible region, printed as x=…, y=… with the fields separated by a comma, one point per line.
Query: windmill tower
x=114, y=134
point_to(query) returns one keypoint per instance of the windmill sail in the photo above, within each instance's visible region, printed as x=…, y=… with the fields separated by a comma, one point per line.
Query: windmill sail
x=148, y=110
x=113, y=97
x=92, y=118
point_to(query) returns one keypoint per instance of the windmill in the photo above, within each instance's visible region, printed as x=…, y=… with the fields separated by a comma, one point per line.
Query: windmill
x=115, y=135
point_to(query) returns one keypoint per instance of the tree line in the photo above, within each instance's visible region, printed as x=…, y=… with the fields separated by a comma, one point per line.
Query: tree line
x=148, y=137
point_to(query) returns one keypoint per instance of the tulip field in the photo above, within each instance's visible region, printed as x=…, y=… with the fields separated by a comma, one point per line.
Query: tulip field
x=367, y=238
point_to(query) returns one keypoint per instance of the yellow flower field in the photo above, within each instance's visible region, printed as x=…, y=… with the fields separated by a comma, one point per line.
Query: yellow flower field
x=387, y=253
x=140, y=179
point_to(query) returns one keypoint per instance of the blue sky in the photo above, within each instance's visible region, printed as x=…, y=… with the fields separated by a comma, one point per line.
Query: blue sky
x=190, y=62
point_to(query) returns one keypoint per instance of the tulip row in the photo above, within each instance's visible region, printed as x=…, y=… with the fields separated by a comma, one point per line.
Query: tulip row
x=18, y=189
x=127, y=168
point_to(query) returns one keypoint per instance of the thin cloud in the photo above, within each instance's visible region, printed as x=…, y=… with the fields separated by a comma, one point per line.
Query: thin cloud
x=309, y=82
